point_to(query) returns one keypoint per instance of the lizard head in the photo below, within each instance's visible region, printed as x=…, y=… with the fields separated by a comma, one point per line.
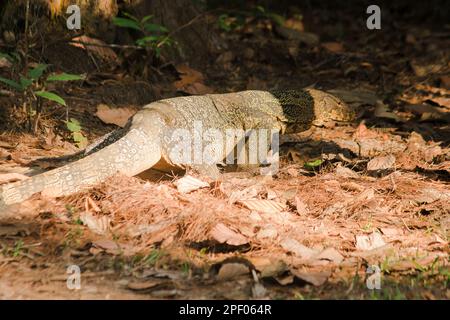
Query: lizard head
x=328, y=108
x=303, y=108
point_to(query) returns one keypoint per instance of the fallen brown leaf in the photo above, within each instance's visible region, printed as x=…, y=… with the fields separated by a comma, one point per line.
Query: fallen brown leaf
x=330, y=254
x=295, y=24
x=314, y=277
x=369, y=242
x=445, y=82
x=197, y=88
x=292, y=245
x=188, y=184
x=300, y=206
x=381, y=163
x=146, y=285
x=382, y=111
x=191, y=80
x=345, y=172
x=117, y=116
x=335, y=47
x=97, y=225
x=232, y=270
x=223, y=234
x=268, y=267
x=444, y=102
x=97, y=47
x=260, y=205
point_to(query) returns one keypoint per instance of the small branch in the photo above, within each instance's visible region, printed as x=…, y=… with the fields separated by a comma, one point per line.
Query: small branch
x=108, y=45
x=187, y=24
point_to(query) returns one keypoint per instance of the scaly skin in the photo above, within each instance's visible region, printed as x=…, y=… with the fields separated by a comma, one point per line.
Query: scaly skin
x=143, y=145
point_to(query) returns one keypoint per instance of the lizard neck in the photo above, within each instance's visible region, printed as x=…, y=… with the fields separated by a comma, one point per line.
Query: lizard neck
x=297, y=109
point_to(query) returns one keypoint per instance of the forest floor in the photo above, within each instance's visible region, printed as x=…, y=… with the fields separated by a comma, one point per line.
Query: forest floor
x=350, y=205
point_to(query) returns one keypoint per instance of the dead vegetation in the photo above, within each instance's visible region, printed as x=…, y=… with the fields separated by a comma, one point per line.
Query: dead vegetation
x=346, y=198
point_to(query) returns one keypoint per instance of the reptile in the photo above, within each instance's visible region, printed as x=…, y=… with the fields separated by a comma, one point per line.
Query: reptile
x=142, y=145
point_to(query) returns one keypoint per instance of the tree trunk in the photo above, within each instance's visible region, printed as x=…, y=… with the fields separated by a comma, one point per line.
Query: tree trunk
x=183, y=18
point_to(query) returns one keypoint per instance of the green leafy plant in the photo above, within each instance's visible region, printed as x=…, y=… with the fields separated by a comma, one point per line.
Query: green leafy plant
x=33, y=87
x=229, y=22
x=261, y=12
x=236, y=19
x=313, y=164
x=17, y=248
x=186, y=268
x=73, y=125
x=12, y=57
x=153, y=257
x=153, y=36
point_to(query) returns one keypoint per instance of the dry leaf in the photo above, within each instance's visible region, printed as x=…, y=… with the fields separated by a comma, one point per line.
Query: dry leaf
x=106, y=245
x=232, y=270
x=356, y=97
x=308, y=38
x=315, y=278
x=444, y=102
x=422, y=70
x=142, y=229
x=362, y=132
x=292, y=245
x=191, y=81
x=97, y=225
x=428, y=112
x=335, y=47
x=90, y=204
x=187, y=75
x=117, y=116
x=197, y=88
x=285, y=280
x=98, y=48
x=223, y=234
x=370, y=242
x=352, y=186
x=445, y=82
x=145, y=285
x=188, y=184
x=258, y=290
x=429, y=195
x=295, y=24
x=266, y=206
x=225, y=58
x=267, y=233
x=382, y=111
x=293, y=172
x=268, y=267
x=300, y=206
x=381, y=163
x=345, y=172
x=4, y=63
x=330, y=254
x=255, y=83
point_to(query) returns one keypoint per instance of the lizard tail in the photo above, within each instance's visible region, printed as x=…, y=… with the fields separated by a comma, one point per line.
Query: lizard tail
x=134, y=153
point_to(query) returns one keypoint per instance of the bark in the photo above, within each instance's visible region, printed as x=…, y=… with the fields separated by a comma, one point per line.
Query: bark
x=182, y=17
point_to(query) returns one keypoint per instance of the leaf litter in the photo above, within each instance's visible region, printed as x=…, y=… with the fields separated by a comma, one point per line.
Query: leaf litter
x=303, y=227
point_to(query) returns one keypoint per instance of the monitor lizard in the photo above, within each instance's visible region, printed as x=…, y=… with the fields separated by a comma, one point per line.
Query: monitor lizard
x=140, y=145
